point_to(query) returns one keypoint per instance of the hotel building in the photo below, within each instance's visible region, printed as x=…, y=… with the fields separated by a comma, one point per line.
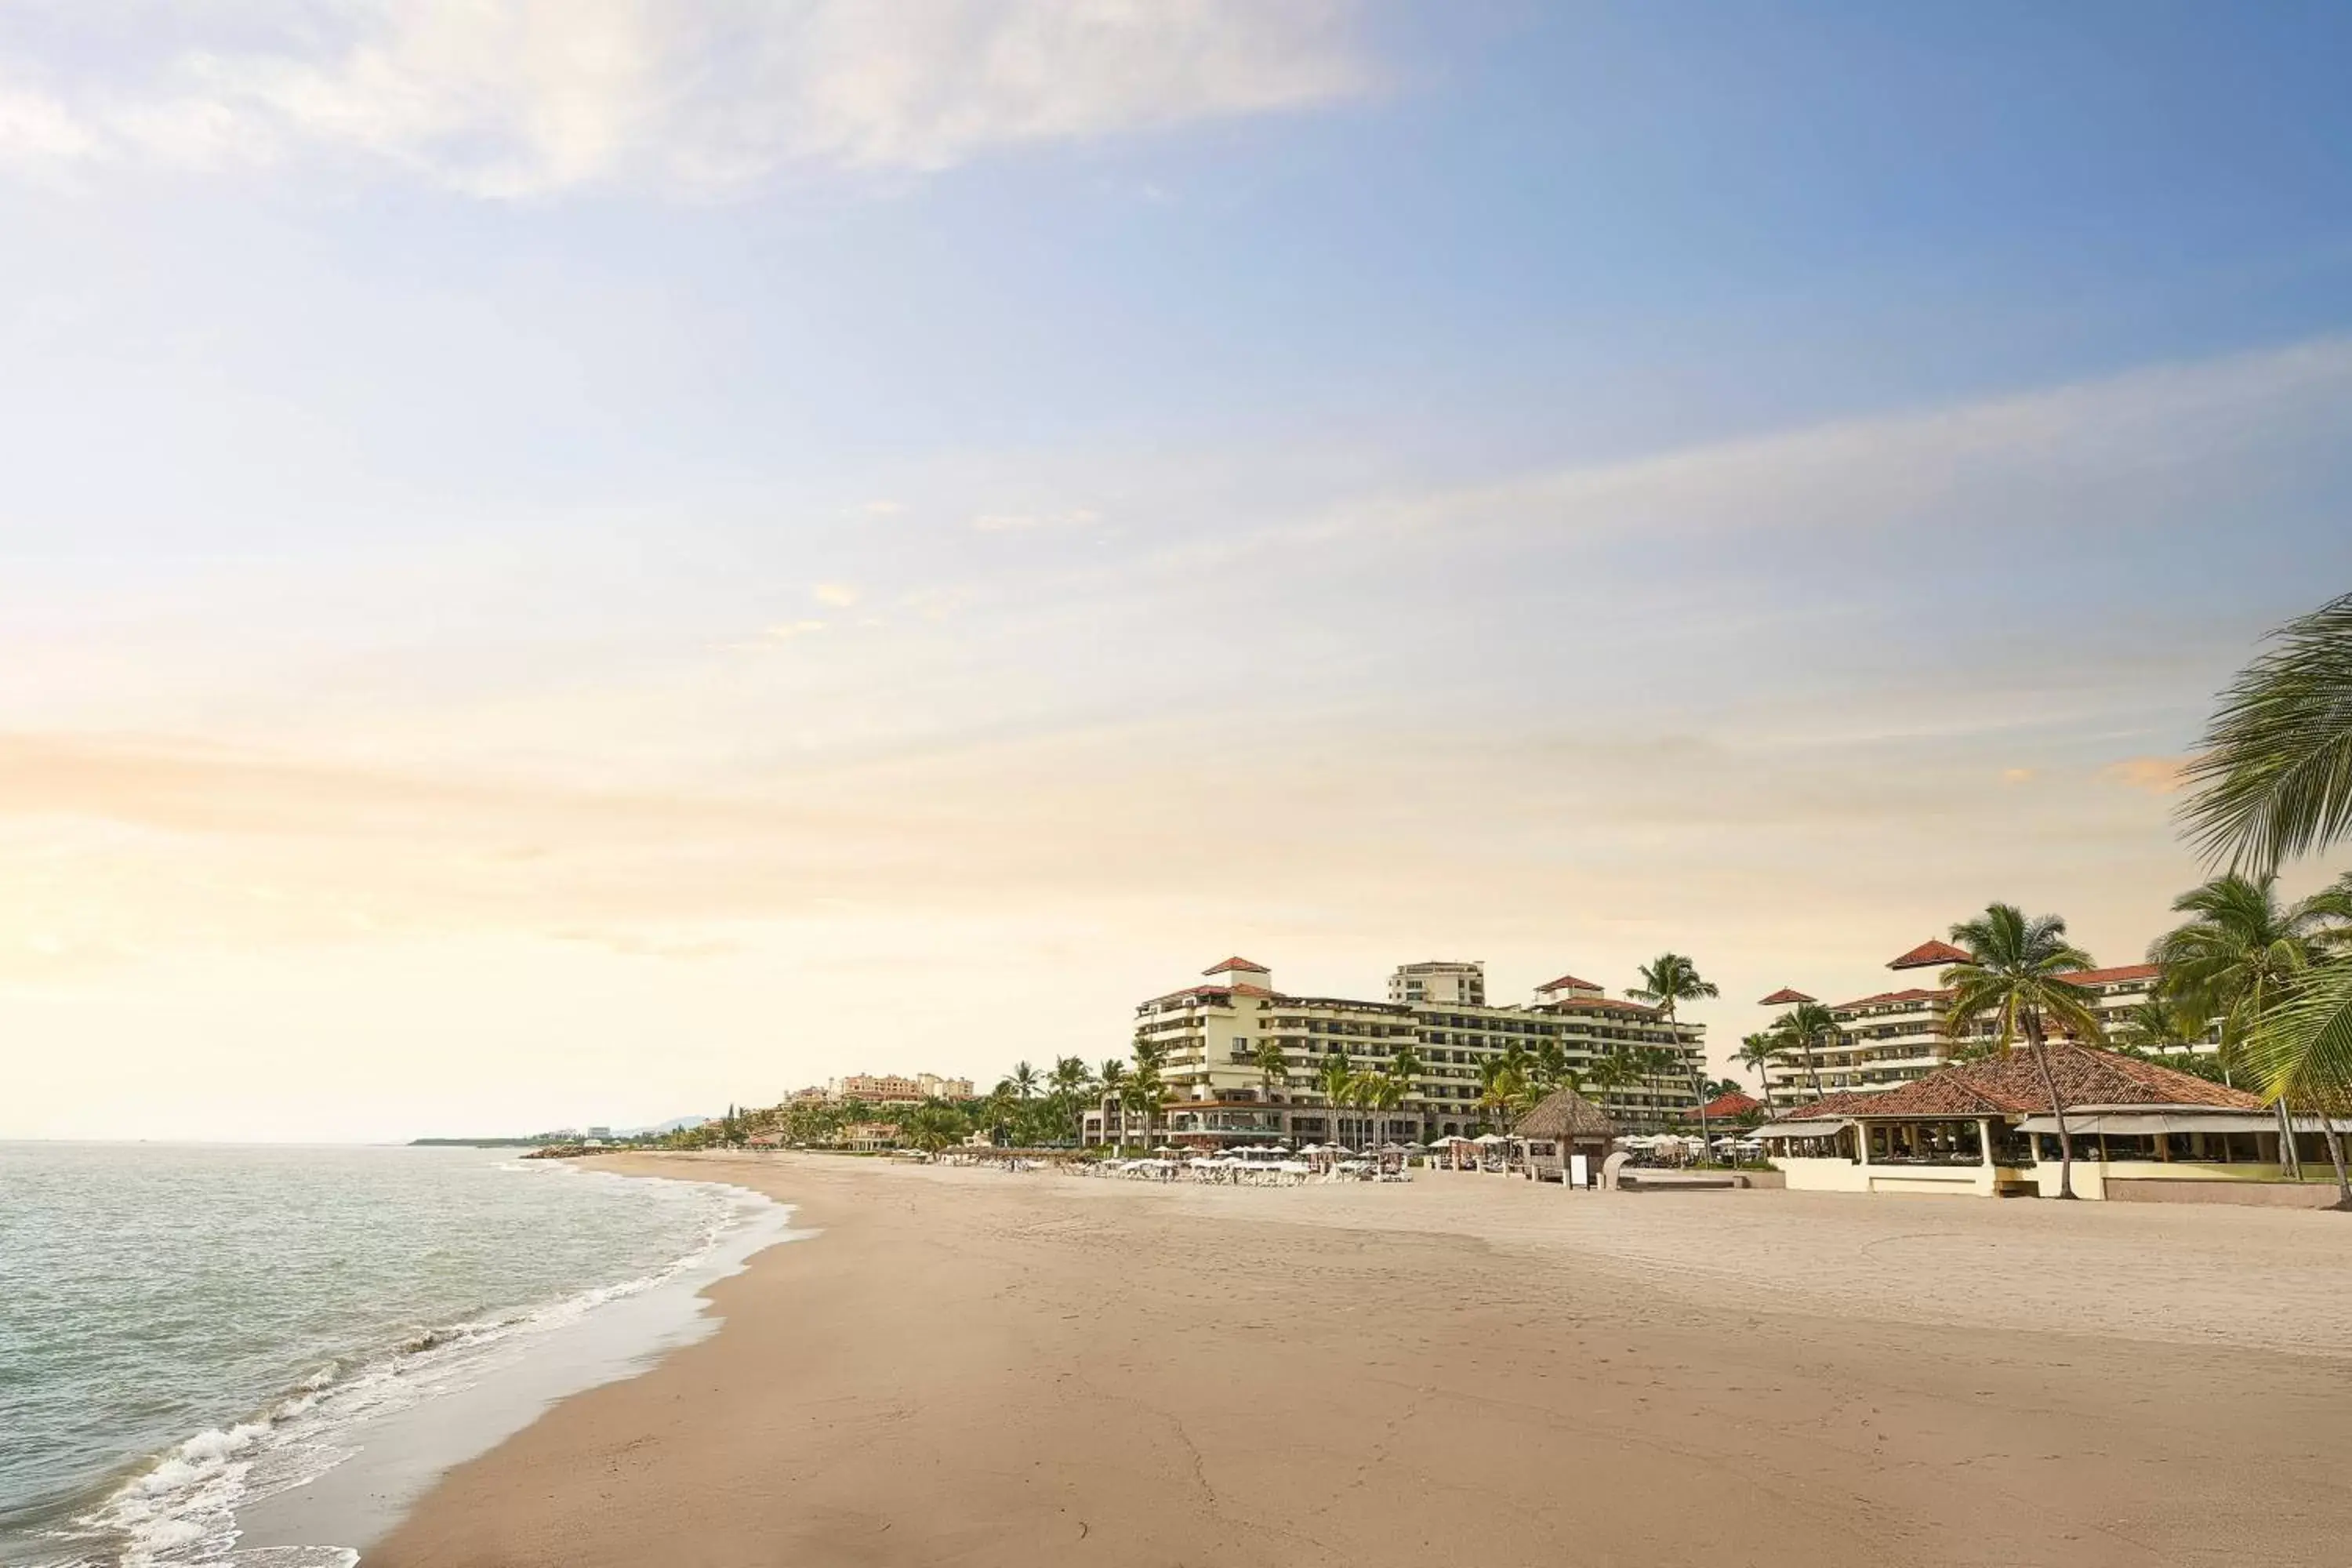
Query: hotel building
x=1210, y=1035
x=886, y=1088
x=1898, y=1036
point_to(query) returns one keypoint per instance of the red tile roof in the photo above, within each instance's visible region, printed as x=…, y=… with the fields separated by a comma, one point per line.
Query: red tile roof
x=1237, y=964
x=2109, y=976
x=2012, y=1085
x=1566, y=983
x=1914, y=995
x=1927, y=954
x=1784, y=997
x=1609, y=1002
x=1723, y=1107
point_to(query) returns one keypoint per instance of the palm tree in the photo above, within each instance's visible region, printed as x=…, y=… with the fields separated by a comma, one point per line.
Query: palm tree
x=1613, y=1072
x=1023, y=1080
x=1113, y=1078
x=1145, y=1089
x=2157, y=1026
x=1755, y=1053
x=1406, y=1067
x=2274, y=780
x=2015, y=973
x=1670, y=978
x=1804, y=1026
x=1502, y=1087
x=1273, y=1071
x=1071, y=1079
x=2242, y=957
x=1336, y=1078
x=1376, y=1093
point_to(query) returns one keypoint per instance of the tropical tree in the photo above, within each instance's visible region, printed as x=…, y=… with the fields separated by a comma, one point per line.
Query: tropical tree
x=1804, y=1028
x=1668, y=979
x=1273, y=1067
x=2157, y=1026
x=1406, y=1067
x=1613, y=1072
x=2242, y=957
x=1503, y=1087
x=1377, y=1094
x=1071, y=1078
x=1551, y=1068
x=1756, y=1053
x=2014, y=977
x=1145, y=1089
x=934, y=1126
x=2271, y=781
x=1023, y=1080
x=1113, y=1079
x=1336, y=1078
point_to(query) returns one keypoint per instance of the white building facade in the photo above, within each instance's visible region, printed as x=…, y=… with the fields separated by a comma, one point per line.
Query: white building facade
x=1212, y=1039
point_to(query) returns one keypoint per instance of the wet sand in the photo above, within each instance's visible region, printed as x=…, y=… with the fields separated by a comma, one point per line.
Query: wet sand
x=974, y=1367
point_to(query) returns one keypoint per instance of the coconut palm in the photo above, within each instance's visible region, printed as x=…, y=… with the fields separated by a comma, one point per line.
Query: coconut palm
x=1551, y=1069
x=1145, y=1089
x=1376, y=1093
x=1336, y=1077
x=1670, y=978
x=2273, y=777
x=1502, y=1087
x=1071, y=1079
x=2158, y=1026
x=1406, y=1067
x=1755, y=1053
x=1113, y=1079
x=2274, y=780
x=2015, y=976
x=1802, y=1029
x=2241, y=959
x=1024, y=1081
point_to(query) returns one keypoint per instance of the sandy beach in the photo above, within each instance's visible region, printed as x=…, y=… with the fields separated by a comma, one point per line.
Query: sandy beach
x=971, y=1366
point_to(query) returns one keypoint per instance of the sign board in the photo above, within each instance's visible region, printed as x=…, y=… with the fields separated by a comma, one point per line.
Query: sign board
x=1579, y=1171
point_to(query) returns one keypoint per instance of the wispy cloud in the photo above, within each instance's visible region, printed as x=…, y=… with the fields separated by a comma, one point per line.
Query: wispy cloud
x=1029, y=521
x=525, y=98
x=840, y=595
x=2150, y=775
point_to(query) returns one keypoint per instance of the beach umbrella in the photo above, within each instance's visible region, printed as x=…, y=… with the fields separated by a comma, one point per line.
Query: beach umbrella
x=1338, y=1149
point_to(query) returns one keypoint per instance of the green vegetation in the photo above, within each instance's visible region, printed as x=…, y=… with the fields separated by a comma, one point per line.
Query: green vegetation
x=2274, y=782
x=2014, y=976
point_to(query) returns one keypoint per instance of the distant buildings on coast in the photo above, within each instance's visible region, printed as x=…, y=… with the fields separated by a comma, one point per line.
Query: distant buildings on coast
x=885, y=1088
x=1210, y=1038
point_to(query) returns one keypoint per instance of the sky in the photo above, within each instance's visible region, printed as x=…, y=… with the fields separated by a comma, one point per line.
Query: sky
x=581, y=561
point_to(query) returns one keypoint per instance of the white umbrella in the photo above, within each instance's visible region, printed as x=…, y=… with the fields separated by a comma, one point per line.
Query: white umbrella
x=1310, y=1148
x=1338, y=1149
x=1490, y=1138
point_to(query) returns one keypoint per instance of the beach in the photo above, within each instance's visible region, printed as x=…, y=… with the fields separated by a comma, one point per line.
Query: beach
x=974, y=1366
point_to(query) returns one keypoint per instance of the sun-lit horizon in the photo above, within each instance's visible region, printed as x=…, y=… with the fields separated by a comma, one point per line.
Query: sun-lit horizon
x=568, y=575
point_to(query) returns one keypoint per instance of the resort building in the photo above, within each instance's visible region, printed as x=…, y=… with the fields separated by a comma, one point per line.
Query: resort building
x=1210, y=1038
x=1898, y=1036
x=886, y=1088
x=1985, y=1129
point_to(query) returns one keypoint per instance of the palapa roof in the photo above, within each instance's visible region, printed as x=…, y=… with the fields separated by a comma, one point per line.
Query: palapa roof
x=1564, y=1113
x=2012, y=1085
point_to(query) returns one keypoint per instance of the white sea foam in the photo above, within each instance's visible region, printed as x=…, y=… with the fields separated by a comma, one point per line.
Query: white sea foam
x=182, y=1512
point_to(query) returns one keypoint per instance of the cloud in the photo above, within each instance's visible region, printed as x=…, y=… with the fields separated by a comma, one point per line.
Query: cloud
x=2150, y=775
x=1027, y=521
x=840, y=595
x=529, y=98
x=2017, y=776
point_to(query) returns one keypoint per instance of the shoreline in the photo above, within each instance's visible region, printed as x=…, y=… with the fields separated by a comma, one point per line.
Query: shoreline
x=997, y=1368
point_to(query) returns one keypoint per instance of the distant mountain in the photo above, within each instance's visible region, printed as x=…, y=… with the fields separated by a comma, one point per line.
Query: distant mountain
x=672, y=1125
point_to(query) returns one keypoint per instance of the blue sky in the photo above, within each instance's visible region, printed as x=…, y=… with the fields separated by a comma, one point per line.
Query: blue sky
x=534, y=529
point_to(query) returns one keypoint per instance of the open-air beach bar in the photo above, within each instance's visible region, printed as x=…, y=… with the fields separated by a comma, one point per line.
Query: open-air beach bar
x=1985, y=1129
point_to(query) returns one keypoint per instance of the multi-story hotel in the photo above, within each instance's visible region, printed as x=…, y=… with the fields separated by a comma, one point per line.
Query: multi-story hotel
x=1210, y=1036
x=1897, y=1035
x=886, y=1088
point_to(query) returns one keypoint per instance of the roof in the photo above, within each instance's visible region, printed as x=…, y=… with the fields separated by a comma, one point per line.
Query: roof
x=1723, y=1107
x=1237, y=964
x=1566, y=983
x=2109, y=976
x=1913, y=994
x=1927, y=954
x=2012, y=1085
x=1611, y=1003
x=1786, y=997
x=1564, y=1113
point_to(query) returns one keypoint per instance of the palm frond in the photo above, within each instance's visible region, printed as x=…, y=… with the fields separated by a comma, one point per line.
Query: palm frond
x=2302, y=1050
x=2273, y=777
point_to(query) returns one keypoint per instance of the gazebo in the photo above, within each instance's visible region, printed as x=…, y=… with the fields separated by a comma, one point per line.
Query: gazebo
x=1563, y=1126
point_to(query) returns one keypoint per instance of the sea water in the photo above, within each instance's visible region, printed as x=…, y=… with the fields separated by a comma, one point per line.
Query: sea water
x=187, y=1331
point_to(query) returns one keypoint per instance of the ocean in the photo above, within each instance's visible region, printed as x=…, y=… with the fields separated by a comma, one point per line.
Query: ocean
x=189, y=1332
